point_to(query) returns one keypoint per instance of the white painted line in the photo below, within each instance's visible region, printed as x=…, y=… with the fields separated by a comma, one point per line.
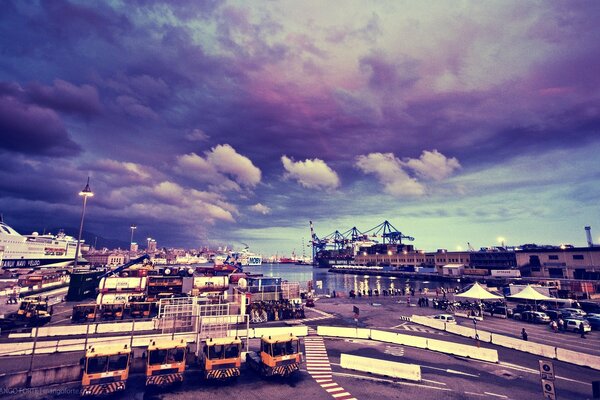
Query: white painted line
x=333, y=390
x=336, y=395
x=402, y=383
x=434, y=382
x=322, y=380
x=475, y=394
x=497, y=395
x=324, y=385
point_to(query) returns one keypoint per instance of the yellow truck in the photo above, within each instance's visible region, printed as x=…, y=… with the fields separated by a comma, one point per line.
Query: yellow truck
x=105, y=369
x=33, y=311
x=278, y=355
x=221, y=358
x=165, y=363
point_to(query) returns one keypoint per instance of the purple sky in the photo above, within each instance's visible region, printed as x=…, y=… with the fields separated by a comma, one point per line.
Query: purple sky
x=229, y=122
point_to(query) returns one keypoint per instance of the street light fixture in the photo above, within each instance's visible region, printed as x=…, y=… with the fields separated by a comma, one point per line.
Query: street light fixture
x=85, y=193
x=501, y=240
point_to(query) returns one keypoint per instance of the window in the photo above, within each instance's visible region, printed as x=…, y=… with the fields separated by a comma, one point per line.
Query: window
x=577, y=256
x=553, y=257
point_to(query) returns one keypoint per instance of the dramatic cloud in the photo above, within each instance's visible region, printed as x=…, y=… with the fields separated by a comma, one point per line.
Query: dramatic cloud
x=31, y=129
x=433, y=165
x=388, y=170
x=162, y=87
x=64, y=96
x=221, y=166
x=260, y=209
x=312, y=174
x=131, y=172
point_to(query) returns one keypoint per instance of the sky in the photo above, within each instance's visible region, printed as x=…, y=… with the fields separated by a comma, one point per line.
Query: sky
x=238, y=122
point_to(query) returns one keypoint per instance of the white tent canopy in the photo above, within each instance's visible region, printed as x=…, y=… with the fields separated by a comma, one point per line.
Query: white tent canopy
x=530, y=293
x=478, y=292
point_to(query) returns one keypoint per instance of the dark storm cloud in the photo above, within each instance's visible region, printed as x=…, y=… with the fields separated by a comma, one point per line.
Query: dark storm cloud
x=66, y=97
x=31, y=129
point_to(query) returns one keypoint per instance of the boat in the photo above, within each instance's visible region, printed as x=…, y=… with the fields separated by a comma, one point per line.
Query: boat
x=189, y=259
x=35, y=250
x=246, y=258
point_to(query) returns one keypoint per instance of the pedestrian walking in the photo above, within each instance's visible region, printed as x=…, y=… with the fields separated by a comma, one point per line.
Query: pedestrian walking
x=524, y=334
x=581, y=330
x=561, y=324
x=554, y=326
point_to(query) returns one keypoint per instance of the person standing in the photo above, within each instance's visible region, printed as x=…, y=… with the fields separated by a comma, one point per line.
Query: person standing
x=524, y=334
x=561, y=324
x=554, y=326
x=581, y=330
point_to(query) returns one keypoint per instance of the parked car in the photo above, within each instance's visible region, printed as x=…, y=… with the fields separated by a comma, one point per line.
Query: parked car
x=447, y=318
x=594, y=321
x=572, y=324
x=500, y=310
x=536, y=317
x=573, y=312
x=553, y=314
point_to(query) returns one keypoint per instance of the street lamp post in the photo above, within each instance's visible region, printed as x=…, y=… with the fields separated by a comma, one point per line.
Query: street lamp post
x=133, y=228
x=85, y=193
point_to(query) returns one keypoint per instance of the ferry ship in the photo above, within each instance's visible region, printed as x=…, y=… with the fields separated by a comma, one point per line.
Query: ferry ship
x=35, y=251
x=246, y=258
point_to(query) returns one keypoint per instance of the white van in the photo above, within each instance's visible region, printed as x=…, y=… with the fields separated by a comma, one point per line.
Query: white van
x=447, y=318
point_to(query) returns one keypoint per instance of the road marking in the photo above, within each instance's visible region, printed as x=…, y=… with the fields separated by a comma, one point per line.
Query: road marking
x=451, y=371
x=372, y=378
x=536, y=372
x=497, y=395
x=435, y=382
x=476, y=394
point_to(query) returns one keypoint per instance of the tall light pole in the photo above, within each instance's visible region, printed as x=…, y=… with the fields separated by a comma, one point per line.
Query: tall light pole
x=85, y=193
x=133, y=228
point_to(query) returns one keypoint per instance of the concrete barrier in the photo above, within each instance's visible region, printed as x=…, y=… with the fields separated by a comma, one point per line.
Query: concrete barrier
x=409, y=372
x=463, y=350
x=399, y=338
x=539, y=349
x=338, y=331
x=430, y=322
x=56, y=375
x=284, y=330
x=484, y=336
x=13, y=380
x=575, y=357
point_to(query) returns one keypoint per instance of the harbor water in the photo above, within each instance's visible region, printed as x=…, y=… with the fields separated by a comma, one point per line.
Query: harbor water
x=325, y=282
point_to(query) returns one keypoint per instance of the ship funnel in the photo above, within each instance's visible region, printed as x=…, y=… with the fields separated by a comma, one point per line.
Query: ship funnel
x=588, y=234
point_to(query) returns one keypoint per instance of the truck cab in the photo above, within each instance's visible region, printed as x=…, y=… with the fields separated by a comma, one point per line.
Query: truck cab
x=34, y=311
x=84, y=312
x=105, y=369
x=165, y=363
x=278, y=355
x=221, y=358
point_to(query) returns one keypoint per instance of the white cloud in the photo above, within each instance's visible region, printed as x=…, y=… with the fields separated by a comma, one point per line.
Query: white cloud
x=392, y=172
x=222, y=166
x=228, y=161
x=388, y=170
x=197, y=135
x=433, y=165
x=260, y=209
x=314, y=174
x=132, y=171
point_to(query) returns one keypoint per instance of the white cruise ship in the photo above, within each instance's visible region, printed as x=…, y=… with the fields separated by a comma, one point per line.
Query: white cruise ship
x=245, y=257
x=35, y=251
